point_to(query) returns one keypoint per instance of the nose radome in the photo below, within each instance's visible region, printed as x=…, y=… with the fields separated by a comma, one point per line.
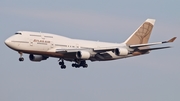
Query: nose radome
x=7, y=41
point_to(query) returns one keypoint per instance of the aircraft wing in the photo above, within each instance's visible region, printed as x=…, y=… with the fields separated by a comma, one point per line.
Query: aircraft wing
x=68, y=50
x=72, y=50
x=137, y=46
x=150, y=44
x=149, y=49
x=105, y=49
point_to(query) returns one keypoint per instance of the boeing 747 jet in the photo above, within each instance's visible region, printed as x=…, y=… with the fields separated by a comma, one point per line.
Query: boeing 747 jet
x=41, y=46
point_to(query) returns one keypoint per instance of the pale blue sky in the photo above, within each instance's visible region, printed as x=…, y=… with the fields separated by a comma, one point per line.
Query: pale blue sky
x=153, y=77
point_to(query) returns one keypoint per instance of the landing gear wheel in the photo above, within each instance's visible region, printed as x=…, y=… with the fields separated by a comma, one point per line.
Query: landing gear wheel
x=73, y=65
x=85, y=65
x=21, y=59
x=77, y=66
x=63, y=66
x=61, y=63
x=79, y=63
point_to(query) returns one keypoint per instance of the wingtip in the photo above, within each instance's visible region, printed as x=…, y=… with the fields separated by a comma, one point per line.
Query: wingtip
x=172, y=40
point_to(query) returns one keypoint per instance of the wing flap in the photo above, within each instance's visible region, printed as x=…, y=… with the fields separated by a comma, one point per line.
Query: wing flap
x=149, y=49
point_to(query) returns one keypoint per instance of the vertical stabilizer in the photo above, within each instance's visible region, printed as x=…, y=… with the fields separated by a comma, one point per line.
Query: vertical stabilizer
x=142, y=34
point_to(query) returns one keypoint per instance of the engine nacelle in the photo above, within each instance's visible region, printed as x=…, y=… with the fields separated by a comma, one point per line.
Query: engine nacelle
x=83, y=55
x=37, y=58
x=121, y=51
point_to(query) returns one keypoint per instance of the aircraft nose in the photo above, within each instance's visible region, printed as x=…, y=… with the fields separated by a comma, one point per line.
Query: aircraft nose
x=7, y=42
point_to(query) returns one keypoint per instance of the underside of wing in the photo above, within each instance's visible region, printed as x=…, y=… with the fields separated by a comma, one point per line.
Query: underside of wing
x=149, y=49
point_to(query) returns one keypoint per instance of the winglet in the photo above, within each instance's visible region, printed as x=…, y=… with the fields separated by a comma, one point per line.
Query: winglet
x=172, y=40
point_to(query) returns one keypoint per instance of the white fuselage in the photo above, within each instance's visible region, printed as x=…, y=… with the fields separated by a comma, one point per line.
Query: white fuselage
x=47, y=44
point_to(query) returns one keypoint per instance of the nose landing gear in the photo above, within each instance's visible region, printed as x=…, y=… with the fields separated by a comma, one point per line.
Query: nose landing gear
x=21, y=58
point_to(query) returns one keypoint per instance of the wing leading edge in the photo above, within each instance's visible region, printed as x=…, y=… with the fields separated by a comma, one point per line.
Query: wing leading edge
x=150, y=44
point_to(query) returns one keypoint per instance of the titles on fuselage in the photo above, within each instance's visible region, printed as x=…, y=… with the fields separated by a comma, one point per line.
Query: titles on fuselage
x=42, y=41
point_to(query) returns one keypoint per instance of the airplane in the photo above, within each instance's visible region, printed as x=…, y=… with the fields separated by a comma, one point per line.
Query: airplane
x=40, y=46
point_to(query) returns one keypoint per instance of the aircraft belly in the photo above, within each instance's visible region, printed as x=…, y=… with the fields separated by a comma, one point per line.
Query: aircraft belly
x=70, y=55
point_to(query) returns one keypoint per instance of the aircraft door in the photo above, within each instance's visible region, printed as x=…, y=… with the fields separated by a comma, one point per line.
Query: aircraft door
x=42, y=36
x=52, y=44
x=31, y=42
x=77, y=46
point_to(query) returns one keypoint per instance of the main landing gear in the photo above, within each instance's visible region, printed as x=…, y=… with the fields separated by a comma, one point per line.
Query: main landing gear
x=79, y=64
x=61, y=63
x=21, y=58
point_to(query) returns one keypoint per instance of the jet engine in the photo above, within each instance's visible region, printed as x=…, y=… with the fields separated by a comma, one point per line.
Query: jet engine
x=37, y=58
x=83, y=55
x=121, y=51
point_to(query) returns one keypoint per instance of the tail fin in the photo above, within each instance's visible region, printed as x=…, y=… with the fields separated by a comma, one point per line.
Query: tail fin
x=142, y=34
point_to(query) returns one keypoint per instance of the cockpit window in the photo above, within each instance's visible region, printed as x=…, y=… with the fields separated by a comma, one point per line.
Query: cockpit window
x=19, y=33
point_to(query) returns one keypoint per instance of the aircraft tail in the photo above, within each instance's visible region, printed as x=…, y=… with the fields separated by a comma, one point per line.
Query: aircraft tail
x=142, y=34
